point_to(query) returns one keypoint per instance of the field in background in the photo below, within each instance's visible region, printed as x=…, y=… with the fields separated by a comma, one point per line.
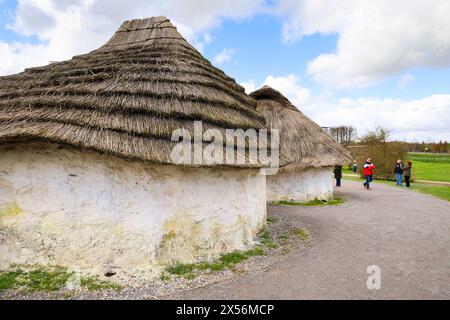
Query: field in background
x=433, y=167
x=426, y=166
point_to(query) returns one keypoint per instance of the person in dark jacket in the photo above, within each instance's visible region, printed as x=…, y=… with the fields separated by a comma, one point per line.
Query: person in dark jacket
x=338, y=174
x=398, y=170
x=407, y=173
x=368, y=172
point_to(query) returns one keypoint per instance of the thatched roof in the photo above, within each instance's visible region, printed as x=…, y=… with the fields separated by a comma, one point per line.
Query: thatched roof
x=126, y=97
x=301, y=140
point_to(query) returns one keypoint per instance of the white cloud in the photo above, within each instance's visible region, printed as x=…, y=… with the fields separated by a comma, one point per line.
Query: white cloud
x=376, y=39
x=223, y=56
x=70, y=27
x=405, y=81
x=203, y=42
x=421, y=119
x=17, y=56
x=249, y=86
x=413, y=120
x=290, y=86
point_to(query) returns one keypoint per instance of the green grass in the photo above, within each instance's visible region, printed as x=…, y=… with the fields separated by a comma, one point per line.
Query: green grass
x=266, y=239
x=315, y=202
x=227, y=260
x=284, y=239
x=356, y=178
x=433, y=167
x=442, y=192
x=426, y=166
x=230, y=260
x=429, y=157
x=301, y=233
x=165, y=276
x=94, y=283
x=335, y=201
x=180, y=269
x=47, y=279
x=271, y=220
x=347, y=170
x=8, y=280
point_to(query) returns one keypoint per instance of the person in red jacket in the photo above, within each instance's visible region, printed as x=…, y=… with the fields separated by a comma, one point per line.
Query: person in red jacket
x=368, y=172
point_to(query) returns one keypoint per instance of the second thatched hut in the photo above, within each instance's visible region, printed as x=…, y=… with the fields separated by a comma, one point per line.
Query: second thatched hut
x=308, y=151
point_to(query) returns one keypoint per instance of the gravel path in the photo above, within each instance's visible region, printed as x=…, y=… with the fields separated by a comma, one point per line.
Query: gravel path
x=405, y=233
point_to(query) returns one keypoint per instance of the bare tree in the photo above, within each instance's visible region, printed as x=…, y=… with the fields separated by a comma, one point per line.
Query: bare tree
x=343, y=134
x=376, y=145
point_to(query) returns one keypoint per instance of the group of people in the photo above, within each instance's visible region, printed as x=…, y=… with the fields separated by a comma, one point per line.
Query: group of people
x=401, y=170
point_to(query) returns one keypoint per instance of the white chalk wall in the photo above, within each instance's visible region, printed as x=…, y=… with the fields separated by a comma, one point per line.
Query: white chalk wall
x=63, y=206
x=300, y=186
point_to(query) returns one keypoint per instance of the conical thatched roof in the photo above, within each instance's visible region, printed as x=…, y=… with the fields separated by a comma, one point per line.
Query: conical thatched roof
x=301, y=140
x=126, y=97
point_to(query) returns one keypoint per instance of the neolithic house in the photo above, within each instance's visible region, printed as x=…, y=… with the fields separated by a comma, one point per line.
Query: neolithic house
x=87, y=176
x=310, y=152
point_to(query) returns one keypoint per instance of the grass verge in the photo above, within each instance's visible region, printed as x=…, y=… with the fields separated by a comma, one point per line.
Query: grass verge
x=268, y=241
x=442, y=192
x=315, y=202
x=47, y=279
x=227, y=260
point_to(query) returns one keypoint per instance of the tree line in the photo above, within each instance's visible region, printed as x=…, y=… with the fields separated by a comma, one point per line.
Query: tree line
x=347, y=135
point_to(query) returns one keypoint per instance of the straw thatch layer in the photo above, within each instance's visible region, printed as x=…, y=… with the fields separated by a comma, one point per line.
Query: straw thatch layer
x=126, y=97
x=301, y=140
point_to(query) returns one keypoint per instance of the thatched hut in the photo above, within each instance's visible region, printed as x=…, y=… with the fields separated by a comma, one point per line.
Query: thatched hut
x=309, y=152
x=86, y=173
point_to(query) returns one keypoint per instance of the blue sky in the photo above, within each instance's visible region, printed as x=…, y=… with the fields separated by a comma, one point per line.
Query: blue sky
x=259, y=51
x=386, y=72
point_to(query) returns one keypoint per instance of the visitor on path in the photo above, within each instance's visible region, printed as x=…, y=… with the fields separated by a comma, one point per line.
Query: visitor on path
x=398, y=170
x=407, y=173
x=368, y=172
x=338, y=174
x=355, y=166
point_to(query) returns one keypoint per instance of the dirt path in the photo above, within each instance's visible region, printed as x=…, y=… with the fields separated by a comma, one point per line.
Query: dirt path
x=406, y=234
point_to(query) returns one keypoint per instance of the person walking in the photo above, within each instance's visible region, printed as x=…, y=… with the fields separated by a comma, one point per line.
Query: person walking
x=355, y=166
x=338, y=174
x=398, y=170
x=407, y=173
x=368, y=172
